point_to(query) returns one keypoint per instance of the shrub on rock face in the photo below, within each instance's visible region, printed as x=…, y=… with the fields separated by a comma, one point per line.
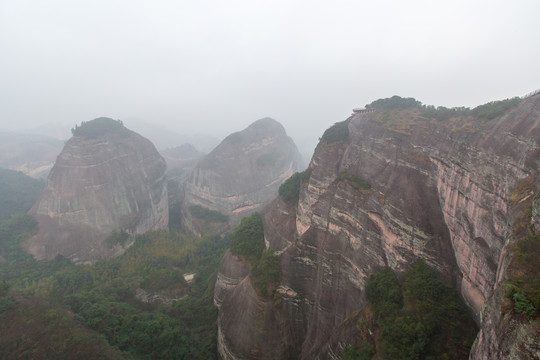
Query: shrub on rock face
x=353, y=180
x=290, y=189
x=248, y=237
x=266, y=273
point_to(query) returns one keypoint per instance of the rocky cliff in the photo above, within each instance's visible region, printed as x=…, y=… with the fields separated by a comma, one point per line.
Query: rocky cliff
x=391, y=185
x=241, y=175
x=107, y=181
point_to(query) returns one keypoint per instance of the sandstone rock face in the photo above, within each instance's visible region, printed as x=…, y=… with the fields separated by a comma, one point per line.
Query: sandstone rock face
x=438, y=191
x=99, y=185
x=242, y=174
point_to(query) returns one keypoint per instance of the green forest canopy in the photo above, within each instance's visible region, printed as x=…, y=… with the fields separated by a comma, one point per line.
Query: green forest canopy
x=486, y=111
x=98, y=127
x=248, y=237
x=418, y=315
x=56, y=309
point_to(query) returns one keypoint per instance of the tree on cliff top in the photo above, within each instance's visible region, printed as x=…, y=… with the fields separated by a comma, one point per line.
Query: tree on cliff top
x=97, y=127
x=395, y=103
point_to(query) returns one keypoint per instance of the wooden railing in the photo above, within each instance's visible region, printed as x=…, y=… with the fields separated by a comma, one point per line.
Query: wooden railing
x=362, y=110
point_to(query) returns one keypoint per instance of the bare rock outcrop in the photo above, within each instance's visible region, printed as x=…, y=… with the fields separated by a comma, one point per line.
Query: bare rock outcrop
x=105, y=180
x=389, y=188
x=242, y=174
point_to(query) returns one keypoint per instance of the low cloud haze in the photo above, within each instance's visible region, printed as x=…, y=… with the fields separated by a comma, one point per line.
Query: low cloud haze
x=213, y=67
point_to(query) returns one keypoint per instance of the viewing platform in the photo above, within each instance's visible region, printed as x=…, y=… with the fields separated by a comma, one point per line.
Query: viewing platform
x=362, y=110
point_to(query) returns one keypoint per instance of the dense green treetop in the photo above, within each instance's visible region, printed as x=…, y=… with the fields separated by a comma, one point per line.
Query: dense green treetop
x=486, y=111
x=395, y=103
x=339, y=132
x=419, y=316
x=493, y=109
x=98, y=127
x=290, y=189
x=248, y=237
x=54, y=309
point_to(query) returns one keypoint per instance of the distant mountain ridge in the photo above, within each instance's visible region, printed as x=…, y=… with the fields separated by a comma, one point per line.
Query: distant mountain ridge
x=241, y=175
x=34, y=155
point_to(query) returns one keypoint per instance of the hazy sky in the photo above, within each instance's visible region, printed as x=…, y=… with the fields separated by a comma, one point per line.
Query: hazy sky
x=216, y=66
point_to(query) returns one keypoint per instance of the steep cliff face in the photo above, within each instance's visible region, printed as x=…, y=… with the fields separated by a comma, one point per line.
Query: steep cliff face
x=507, y=333
x=242, y=174
x=101, y=183
x=388, y=188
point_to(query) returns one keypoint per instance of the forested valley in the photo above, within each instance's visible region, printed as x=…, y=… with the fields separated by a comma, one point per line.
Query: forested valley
x=135, y=306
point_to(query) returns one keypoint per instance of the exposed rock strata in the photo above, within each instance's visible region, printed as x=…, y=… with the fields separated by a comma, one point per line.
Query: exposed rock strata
x=242, y=174
x=440, y=192
x=99, y=185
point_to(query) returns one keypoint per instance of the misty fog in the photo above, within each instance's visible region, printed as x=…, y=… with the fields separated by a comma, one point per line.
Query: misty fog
x=211, y=68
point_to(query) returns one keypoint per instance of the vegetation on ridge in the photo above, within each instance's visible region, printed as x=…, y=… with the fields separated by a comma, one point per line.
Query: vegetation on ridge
x=494, y=109
x=339, y=132
x=486, y=111
x=98, y=127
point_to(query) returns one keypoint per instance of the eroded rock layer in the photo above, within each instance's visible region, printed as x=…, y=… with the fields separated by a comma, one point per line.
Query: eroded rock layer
x=396, y=186
x=242, y=174
x=114, y=182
